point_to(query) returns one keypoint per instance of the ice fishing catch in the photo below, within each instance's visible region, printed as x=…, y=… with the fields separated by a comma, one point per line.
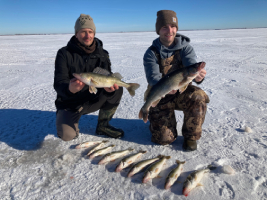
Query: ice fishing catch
x=95, y=80
x=100, y=152
x=125, y=162
x=176, y=80
x=193, y=180
x=113, y=156
x=141, y=165
x=154, y=169
x=174, y=174
x=88, y=144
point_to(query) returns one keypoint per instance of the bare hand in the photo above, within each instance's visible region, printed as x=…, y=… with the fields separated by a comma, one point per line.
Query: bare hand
x=75, y=85
x=201, y=75
x=172, y=92
x=112, y=88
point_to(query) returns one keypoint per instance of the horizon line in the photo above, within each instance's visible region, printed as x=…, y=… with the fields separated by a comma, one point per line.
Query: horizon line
x=125, y=31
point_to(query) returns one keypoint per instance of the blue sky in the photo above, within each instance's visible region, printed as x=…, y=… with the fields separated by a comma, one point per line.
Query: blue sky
x=59, y=16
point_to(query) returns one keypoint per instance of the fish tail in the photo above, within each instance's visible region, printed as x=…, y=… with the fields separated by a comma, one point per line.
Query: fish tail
x=211, y=167
x=131, y=89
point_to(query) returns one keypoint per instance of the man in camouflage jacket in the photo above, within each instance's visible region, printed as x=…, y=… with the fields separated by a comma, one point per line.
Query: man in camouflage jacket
x=171, y=51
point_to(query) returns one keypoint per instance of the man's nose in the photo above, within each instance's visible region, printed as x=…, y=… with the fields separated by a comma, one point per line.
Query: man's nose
x=169, y=29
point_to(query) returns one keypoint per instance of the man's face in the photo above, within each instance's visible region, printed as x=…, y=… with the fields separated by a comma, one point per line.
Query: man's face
x=85, y=36
x=167, y=34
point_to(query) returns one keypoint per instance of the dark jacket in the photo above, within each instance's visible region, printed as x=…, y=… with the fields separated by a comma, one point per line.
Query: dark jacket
x=72, y=59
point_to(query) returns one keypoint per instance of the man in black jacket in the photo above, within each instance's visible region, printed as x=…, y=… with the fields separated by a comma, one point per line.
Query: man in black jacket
x=83, y=53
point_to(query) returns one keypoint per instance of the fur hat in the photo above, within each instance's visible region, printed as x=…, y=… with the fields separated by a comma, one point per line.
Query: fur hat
x=165, y=17
x=84, y=21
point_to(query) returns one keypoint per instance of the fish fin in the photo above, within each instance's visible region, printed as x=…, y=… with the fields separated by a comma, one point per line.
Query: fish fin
x=131, y=89
x=180, y=162
x=130, y=149
x=117, y=75
x=105, y=141
x=155, y=103
x=181, y=90
x=92, y=89
x=199, y=184
x=159, y=176
x=99, y=70
x=167, y=157
x=143, y=152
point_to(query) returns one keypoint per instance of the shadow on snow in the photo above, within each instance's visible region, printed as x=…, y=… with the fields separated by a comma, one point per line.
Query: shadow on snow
x=25, y=129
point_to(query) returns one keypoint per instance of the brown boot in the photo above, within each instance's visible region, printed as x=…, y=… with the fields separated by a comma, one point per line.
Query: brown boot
x=190, y=145
x=103, y=126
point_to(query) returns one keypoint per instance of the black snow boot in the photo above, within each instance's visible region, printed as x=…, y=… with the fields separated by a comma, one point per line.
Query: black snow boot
x=190, y=145
x=103, y=126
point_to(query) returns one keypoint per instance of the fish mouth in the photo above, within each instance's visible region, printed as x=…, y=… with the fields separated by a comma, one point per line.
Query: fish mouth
x=167, y=186
x=118, y=169
x=185, y=192
x=76, y=76
x=101, y=163
x=145, y=180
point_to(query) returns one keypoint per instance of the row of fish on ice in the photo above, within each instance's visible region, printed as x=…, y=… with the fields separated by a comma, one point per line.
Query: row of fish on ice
x=155, y=165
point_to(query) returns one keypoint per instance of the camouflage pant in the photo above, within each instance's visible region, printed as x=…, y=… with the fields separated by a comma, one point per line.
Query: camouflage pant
x=193, y=102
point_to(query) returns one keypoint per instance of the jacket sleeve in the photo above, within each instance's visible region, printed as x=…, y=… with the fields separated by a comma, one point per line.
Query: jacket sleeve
x=151, y=66
x=188, y=56
x=61, y=75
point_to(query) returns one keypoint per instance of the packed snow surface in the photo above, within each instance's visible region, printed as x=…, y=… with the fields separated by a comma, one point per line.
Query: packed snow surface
x=35, y=164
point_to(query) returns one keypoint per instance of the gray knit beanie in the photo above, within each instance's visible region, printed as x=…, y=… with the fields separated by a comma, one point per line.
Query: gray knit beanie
x=165, y=17
x=84, y=21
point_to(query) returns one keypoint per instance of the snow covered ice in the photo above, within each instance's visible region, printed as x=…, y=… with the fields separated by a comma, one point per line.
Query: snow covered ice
x=35, y=164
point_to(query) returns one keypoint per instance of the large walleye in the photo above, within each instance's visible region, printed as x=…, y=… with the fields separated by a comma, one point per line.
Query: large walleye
x=176, y=80
x=194, y=179
x=100, y=152
x=114, y=155
x=141, y=165
x=95, y=80
x=125, y=162
x=174, y=174
x=154, y=169
x=100, y=145
x=88, y=144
